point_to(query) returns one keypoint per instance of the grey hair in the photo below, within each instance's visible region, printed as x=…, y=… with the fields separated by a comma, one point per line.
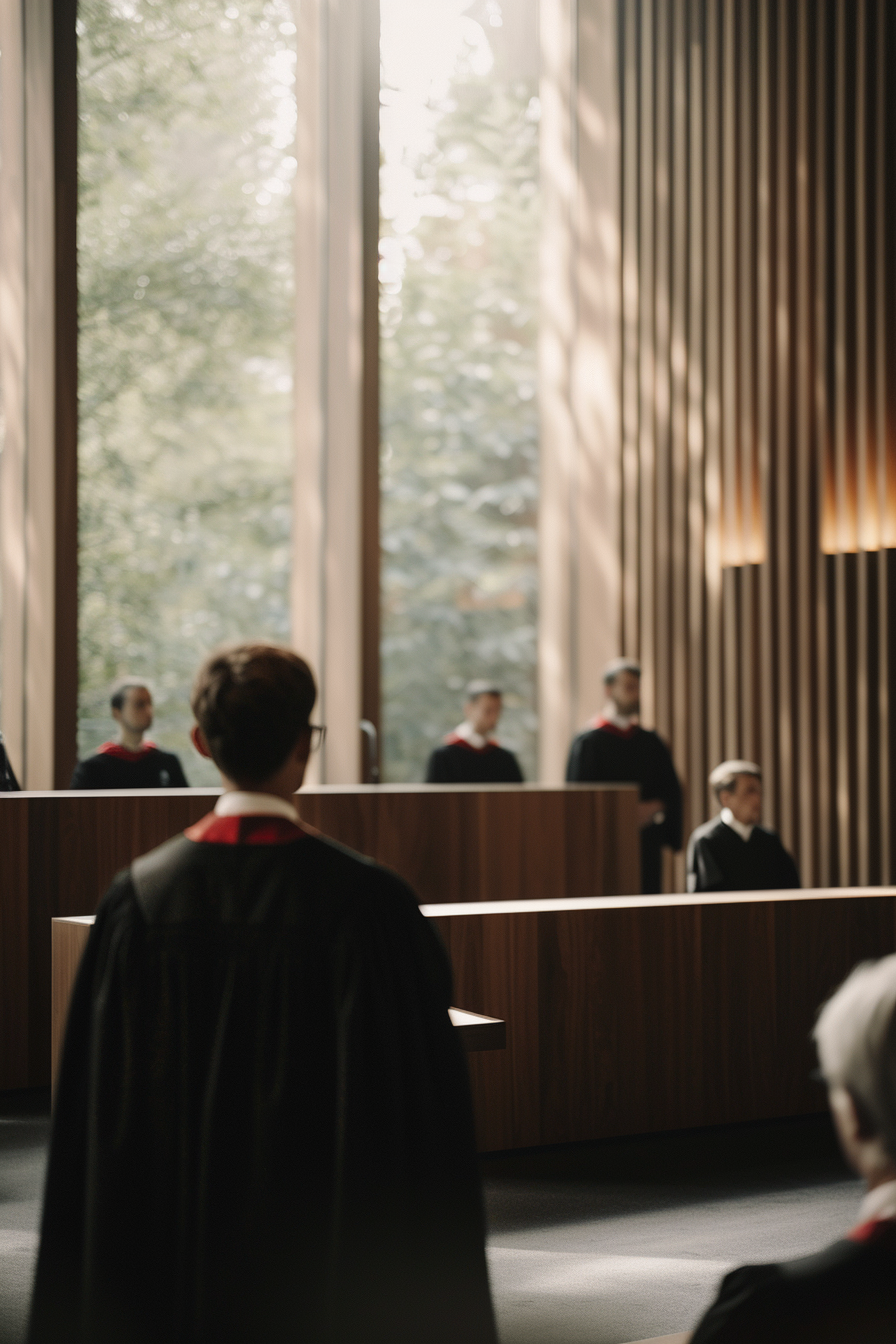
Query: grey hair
x=617, y=665
x=724, y=776
x=481, y=687
x=855, y=1036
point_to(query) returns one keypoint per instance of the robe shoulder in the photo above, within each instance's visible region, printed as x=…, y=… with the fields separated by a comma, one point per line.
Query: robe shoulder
x=156, y=769
x=453, y=763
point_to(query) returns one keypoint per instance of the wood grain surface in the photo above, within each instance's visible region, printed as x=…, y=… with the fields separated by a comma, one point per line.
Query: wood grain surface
x=59, y=851
x=69, y=939
x=636, y=1015
x=645, y=1017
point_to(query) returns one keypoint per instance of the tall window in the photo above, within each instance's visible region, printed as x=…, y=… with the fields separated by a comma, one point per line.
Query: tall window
x=459, y=275
x=187, y=130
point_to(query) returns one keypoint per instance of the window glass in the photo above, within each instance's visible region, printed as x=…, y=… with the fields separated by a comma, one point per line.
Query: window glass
x=186, y=157
x=458, y=309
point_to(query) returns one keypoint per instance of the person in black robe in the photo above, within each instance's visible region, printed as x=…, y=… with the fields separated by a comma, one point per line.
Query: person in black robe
x=732, y=852
x=262, y=1127
x=8, y=781
x=131, y=762
x=845, y=1293
x=470, y=754
x=615, y=749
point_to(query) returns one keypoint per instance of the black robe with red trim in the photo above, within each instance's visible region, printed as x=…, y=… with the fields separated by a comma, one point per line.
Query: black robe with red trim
x=262, y=1127
x=458, y=762
x=115, y=767
x=844, y=1294
x=606, y=754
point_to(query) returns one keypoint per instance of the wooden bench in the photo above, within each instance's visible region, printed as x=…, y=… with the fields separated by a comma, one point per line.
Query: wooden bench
x=69, y=939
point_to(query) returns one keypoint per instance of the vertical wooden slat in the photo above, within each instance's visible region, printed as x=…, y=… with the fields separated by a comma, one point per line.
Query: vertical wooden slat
x=765, y=349
x=823, y=450
x=732, y=534
x=844, y=497
x=865, y=502
x=663, y=443
x=713, y=395
x=697, y=699
x=804, y=502
x=647, y=418
x=746, y=198
x=880, y=433
x=631, y=288
x=783, y=442
x=679, y=406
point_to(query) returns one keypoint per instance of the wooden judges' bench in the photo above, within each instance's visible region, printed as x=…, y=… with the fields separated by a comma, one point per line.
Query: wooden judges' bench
x=58, y=852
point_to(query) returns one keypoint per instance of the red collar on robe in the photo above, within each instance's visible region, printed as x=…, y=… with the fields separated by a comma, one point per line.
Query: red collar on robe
x=608, y=727
x=882, y=1231
x=123, y=753
x=248, y=829
x=455, y=740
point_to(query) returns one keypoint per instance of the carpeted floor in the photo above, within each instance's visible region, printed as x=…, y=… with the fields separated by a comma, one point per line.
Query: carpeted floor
x=589, y=1244
x=627, y=1239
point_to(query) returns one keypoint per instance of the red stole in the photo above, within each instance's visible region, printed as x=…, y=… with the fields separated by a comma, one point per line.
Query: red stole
x=123, y=753
x=251, y=829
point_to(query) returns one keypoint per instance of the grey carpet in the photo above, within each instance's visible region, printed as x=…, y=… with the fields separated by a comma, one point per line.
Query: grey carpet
x=589, y=1244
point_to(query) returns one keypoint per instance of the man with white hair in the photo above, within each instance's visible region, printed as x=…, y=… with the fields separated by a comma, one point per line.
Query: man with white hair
x=846, y=1292
x=732, y=852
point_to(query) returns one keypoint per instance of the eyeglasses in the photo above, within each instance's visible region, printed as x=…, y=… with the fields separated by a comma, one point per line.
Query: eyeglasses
x=318, y=732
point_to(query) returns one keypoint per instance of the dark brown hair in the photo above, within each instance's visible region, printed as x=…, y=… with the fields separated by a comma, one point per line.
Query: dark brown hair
x=252, y=703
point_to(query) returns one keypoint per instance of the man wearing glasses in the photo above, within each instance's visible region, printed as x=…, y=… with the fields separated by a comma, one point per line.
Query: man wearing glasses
x=262, y=1126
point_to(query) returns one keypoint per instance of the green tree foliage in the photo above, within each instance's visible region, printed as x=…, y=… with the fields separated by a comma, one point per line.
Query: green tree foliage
x=186, y=285
x=460, y=447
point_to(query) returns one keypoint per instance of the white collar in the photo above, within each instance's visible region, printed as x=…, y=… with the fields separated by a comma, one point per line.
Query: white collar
x=610, y=714
x=469, y=734
x=236, y=803
x=739, y=827
x=879, y=1203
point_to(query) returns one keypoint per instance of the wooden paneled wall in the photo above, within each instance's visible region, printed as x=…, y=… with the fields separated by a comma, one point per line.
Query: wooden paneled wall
x=644, y=1014
x=59, y=851
x=758, y=464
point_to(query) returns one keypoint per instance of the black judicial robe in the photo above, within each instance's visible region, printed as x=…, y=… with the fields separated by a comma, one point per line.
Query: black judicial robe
x=845, y=1294
x=610, y=755
x=457, y=762
x=262, y=1127
x=721, y=860
x=114, y=767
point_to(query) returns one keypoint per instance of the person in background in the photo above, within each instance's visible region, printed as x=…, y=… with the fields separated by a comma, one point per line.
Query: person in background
x=615, y=749
x=262, y=1127
x=846, y=1293
x=732, y=852
x=130, y=762
x=471, y=755
x=8, y=781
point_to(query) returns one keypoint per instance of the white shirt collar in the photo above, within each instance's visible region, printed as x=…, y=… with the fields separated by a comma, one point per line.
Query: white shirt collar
x=739, y=827
x=469, y=734
x=879, y=1203
x=236, y=803
x=611, y=714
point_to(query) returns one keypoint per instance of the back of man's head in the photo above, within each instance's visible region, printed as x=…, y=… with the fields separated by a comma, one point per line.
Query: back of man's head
x=856, y=1039
x=252, y=703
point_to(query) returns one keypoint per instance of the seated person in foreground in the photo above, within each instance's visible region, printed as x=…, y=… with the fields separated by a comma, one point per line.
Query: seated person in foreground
x=615, y=749
x=733, y=852
x=470, y=755
x=845, y=1294
x=262, y=1127
x=130, y=763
